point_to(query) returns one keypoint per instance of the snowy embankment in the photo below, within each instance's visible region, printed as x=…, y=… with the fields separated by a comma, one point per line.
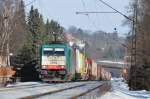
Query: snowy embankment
x=120, y=90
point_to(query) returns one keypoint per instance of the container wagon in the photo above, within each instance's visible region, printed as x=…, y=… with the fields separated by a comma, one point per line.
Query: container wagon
x=80, y=65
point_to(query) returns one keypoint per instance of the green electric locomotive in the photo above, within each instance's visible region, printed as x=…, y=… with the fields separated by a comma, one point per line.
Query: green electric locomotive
x=55, y=61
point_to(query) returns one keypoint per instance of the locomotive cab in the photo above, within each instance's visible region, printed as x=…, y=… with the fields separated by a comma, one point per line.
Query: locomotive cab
x=54, y=64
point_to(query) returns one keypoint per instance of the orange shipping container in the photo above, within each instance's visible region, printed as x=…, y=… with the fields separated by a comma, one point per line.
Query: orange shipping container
x=96, y=71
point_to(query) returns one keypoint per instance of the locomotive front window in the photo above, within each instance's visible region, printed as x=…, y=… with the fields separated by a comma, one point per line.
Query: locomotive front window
x=48, y=51
x=59, y=51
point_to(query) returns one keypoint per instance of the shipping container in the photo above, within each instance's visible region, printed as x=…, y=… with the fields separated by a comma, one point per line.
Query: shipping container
x=105, y=74
x=73, y=61
x=94, y=70
x=102, y=74
x=80, y=64
x=89, y=68
x=98, y=72
x=78, y=61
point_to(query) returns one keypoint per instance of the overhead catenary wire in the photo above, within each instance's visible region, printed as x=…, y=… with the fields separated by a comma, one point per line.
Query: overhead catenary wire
x=105, y=16
x=97, y=19
x=115, y=10
x=94, y=12
x=93, y=23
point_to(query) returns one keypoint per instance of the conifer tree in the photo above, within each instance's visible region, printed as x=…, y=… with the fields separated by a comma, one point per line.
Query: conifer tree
x=38, y=33
x=54, y=28
x=36, y=30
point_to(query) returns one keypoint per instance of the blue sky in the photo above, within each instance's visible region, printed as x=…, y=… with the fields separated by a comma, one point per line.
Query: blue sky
x=63, y=11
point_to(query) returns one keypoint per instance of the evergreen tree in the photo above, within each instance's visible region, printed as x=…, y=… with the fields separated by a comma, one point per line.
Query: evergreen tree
x=37, y=34
x=48, y=31
x=36, y=30
x=53, y=29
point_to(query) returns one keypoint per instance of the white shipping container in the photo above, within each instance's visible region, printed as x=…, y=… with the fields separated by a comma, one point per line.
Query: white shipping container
x=94, y=69
x=78, y=62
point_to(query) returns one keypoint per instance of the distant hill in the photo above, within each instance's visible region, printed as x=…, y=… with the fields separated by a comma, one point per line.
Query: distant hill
x=102, y=45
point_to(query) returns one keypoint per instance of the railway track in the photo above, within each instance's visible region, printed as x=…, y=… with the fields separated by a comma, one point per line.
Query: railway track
x=73, y=92
x=52, y=91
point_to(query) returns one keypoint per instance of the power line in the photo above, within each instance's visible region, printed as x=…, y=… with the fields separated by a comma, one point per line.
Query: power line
x=92, y=22
x=97, y=12
x=115, y=10
x=106, y=16
x=96, y=5
x=83, y=3
x=97, y=19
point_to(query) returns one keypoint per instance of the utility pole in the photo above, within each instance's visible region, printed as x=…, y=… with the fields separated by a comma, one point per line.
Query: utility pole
x=133, y=68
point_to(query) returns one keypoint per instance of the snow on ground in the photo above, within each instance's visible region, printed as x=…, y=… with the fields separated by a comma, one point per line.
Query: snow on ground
x=23, y=84
x=32, y=88
x=120, y=90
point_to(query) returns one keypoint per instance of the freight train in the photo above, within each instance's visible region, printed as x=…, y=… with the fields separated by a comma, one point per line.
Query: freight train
x=61, y=62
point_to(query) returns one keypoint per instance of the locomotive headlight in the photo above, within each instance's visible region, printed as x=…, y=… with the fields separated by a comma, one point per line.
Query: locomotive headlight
x=44, y=67
x=62, y=67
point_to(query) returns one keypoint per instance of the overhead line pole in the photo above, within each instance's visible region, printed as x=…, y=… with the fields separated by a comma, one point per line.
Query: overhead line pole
x=134, y=44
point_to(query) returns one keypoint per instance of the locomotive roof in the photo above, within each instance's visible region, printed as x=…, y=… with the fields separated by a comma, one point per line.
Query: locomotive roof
x=54, y=44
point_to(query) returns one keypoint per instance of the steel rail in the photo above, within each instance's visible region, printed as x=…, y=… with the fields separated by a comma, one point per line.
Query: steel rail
x=50, y=92
x=102, y=87
x=89, y=91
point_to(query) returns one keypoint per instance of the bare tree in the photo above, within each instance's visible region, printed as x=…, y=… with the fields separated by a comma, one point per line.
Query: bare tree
x=7, y=25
